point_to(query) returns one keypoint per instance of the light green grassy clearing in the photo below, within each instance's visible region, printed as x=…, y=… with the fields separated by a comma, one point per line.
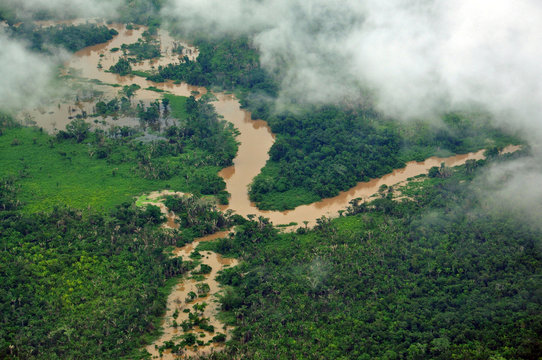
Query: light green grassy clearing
x=65, y=174
x=142, y=200
x=155, y=89
x=140, y=73
x=177, y=106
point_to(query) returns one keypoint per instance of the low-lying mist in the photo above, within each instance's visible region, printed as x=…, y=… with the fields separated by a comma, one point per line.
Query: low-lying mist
x=27, y=77
x=60, y=9
x=412, y=59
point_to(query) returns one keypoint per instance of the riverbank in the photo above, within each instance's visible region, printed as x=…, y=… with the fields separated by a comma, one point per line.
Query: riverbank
x=255, y=136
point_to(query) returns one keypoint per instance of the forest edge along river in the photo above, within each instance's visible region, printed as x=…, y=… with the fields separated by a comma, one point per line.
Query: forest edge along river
x=255, y=139
x=255, y=136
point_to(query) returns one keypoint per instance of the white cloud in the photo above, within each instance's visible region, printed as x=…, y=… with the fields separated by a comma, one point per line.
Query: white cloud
x=514, y=188
x=26, y=76
x=413, y=58
x=62, y=8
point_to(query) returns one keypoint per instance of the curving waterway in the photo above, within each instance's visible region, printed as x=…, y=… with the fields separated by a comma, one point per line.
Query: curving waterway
x=255, y=135
x=255, y=141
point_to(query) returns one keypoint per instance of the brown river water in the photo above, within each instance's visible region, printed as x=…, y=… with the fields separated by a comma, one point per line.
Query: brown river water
x=255, y=141
x=255, y=136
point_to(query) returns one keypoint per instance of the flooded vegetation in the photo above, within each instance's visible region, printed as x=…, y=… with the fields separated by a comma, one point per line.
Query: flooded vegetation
x=181, y=304
x=91, y=64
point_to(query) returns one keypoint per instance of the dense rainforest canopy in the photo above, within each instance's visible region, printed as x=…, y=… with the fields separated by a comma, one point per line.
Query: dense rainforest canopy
x=431, y=270
x=321, y=150
x=436, y=275
x=81, y=284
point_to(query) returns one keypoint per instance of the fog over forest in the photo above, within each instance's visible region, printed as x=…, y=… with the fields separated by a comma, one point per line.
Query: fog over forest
x=411, y=59
x=65, y=8
x=414, y=59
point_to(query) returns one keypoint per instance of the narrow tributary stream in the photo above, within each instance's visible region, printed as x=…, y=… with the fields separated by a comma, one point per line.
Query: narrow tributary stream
x=180, y=301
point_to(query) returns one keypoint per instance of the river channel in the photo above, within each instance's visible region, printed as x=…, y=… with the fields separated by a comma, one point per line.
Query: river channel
x=255, y=136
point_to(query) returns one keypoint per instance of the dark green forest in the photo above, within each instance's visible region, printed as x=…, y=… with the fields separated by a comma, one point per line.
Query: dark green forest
x=143, y=49
x=227, y=63
x=321, y=150
x=438, y=275
x=71, y=37
x=81, y=284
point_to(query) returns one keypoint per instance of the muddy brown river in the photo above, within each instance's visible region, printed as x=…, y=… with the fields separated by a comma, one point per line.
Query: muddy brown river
x=255, y=141
x=255, y=136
